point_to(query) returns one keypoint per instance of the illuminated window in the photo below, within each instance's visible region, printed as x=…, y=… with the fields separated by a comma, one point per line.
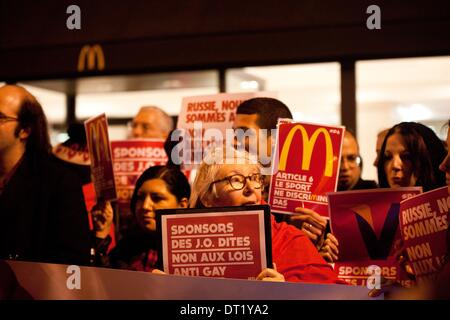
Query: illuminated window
x=311, y=91
x=395, y=90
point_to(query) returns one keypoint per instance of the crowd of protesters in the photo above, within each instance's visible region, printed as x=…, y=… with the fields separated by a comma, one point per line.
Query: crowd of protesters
x=45, y=219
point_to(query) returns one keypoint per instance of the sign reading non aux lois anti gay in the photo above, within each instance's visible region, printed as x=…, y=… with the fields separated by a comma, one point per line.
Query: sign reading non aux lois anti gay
x=306, y=166
x=227, y=242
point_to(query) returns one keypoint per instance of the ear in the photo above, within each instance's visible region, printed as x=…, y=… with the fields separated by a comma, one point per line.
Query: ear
x=24, y=133
x=206, y=200
x=183, y=203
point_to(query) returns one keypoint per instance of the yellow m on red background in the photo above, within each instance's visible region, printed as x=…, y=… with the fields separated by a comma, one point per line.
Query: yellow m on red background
x=308, y=147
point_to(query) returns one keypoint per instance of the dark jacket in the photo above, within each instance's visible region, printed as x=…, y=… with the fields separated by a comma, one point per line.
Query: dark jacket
x=365, y=184
x=43, y=216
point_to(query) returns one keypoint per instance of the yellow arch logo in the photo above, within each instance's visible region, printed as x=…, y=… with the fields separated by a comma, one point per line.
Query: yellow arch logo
x=91, y=54
x=99, y=140
x=308, y=146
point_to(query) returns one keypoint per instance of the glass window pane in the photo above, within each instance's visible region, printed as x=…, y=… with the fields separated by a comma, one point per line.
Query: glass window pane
x=395, y=90
x=311, y=91
x=162, y=90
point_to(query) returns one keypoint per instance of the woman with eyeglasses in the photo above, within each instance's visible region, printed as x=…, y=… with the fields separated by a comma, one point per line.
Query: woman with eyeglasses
x=228, y=177
x=159, y=187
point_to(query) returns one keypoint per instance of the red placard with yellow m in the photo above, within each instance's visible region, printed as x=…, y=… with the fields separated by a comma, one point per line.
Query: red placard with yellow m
x=101, y=159
x=305, y=167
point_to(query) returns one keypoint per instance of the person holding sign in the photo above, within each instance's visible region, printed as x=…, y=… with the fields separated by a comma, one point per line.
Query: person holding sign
x=159, y=187
x=229, y=177
x=258, y=118
x=442, y=290
x=411, y=155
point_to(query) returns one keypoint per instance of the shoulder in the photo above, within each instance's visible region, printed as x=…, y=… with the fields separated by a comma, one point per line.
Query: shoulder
x=60, y=174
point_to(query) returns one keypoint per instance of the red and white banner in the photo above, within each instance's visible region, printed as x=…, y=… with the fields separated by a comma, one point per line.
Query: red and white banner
x=423, y=225
x=306, y=166
x=225, y=244
x=206, y=118
x=131, y=158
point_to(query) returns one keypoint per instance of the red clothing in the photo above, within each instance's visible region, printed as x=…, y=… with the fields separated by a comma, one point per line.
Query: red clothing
x=296, y=257
x=147, y=261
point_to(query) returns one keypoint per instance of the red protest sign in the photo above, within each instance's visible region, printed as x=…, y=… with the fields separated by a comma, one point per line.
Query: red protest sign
x=131, y=158
x=229, y=242
x=100, y=155
x=205, y=120
x=423, y=225
x=365, y=222
x=306, y=166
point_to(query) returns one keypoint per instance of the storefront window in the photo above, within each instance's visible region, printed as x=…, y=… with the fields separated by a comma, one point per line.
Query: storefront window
x=311, y=91
x=395, y=90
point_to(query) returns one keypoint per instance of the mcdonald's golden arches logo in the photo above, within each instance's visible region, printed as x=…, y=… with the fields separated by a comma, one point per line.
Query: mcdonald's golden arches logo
x=99, y=142
x=91, y=54
x=308, y=146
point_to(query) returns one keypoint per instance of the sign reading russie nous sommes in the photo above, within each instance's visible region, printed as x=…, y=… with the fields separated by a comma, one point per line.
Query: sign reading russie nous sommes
x=423, y=225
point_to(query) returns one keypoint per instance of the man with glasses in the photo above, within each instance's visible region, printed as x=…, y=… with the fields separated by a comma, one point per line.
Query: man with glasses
x=42, y=212
x=150, y=122
x=351, y=166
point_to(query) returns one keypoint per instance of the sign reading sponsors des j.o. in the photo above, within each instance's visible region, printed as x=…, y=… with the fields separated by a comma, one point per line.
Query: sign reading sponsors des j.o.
x=215, y=242
x=306, y=166
x=366, y=223
x=101, y=159
x=423, y=225
x=131, y=158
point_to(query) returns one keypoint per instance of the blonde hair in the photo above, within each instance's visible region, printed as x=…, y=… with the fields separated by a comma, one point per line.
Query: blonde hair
x=207, y=172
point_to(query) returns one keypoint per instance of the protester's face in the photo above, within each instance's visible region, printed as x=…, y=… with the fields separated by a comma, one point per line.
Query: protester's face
x=153, y=195
x=226, y=195
x=445, y=165
x=398, y=165
x=263, y=139
x=146, y=125
x=10, y=100
x=349, y=171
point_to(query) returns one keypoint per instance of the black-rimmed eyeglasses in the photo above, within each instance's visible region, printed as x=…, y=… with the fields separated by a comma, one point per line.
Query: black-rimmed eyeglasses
x=237, y=181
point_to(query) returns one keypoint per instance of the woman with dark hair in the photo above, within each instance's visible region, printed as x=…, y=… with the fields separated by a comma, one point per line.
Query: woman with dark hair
x=159, y=187
x=410, y=156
